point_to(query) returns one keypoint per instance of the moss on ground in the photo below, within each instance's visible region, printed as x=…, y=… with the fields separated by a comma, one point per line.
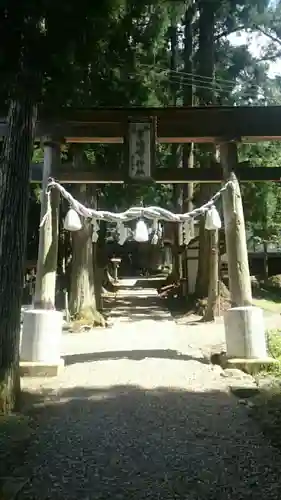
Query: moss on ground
x=87, y=318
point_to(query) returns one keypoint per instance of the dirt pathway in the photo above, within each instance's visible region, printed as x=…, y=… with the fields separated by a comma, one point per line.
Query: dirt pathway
x=139, y=413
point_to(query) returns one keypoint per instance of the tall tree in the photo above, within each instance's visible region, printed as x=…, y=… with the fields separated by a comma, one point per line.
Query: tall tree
x=175, y=148
x=188, y=100
x=187, y=91
x=83, y=303
x=14, y=194
x=205, y=93
x=85, y=285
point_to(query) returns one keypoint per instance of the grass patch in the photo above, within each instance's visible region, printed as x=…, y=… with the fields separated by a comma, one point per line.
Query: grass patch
x=267, y=404
x=268, y=300
x=272, y=371
x=274, y=350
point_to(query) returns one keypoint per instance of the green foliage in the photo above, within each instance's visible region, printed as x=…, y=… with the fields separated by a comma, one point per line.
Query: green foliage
x=38, y=155
x=274, y=344
x=274, y=282
x=122, y=197
x=267, y=405
x=134, y=72
x=273, y=338
x=45, y=47
x=117, y=53
x=262, y=201
x=264, y=215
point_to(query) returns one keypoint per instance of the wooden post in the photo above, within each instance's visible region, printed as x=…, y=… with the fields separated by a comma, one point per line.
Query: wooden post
x=235, y=234
x=48, y=240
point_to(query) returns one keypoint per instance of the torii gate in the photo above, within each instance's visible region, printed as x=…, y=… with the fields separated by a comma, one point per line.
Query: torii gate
x=139, y=129
x=224, y=126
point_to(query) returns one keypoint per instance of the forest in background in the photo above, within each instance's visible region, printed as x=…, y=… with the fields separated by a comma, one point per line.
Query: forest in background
x=180, y=53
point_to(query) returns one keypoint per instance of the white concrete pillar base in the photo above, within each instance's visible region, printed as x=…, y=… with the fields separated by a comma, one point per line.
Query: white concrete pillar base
x=245, y=333
x=37, y=369
x=252, y=365
x=41, y=338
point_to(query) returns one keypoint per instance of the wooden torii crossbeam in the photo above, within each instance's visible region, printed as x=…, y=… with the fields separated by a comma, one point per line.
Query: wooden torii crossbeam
x=173, y=124
x=66, y=174
x=181, y=125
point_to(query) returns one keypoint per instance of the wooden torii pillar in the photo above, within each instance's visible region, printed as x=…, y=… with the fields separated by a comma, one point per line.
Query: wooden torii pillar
x=244, y=324
x=42, y=326
x=235, y=234
x=45, y=288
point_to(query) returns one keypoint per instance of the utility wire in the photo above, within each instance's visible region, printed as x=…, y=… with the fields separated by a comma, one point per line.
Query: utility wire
x=202, y=78
x=216, y=88
x=184, y=79
x=207, y=86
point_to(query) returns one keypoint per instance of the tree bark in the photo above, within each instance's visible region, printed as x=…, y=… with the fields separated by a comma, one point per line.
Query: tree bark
x=188, y=94
x=265, y=261
x=188, y=149
x=175, y=148
x=213, y=277
x=14, y=197
x=202, y=281
x=82, y=303
x=82, y=295
x=206, y=98
x=177, y=203
x=100, y=263
x=265, y=241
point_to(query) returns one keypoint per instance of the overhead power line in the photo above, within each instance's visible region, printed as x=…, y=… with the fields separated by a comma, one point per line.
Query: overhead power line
x=195, y=76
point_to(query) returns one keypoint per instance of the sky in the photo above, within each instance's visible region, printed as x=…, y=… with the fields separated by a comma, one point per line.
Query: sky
x=256, y=42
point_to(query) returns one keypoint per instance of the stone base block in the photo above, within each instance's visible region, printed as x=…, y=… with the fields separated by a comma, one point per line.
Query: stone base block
x=40, y=369
x=250, y=365
x=41, y=336
x=245, y=333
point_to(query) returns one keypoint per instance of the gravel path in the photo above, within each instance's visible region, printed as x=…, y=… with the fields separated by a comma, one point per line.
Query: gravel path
x=138, y=413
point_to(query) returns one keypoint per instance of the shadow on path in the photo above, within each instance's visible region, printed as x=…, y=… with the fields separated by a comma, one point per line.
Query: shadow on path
x=126, y=442
x=135, y=308
x=136, y=355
